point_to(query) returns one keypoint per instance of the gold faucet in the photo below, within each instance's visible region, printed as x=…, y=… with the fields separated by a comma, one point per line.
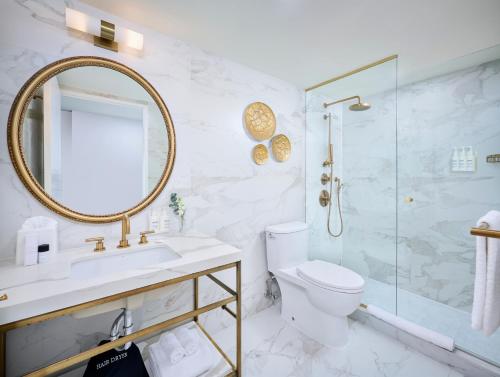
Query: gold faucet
x=125, y=230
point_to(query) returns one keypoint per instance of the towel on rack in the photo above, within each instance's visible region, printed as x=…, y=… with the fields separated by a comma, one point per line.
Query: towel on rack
x=486, y=305
x=188, y=338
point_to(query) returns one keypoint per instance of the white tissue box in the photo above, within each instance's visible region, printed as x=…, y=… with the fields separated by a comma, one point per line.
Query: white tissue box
x=41, y=229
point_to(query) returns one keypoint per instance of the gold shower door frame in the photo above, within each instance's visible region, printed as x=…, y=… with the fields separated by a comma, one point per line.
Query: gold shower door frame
x=235, y=296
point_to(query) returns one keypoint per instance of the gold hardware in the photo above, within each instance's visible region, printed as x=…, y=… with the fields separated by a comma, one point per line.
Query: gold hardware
x=15, y=132
x=281, y=147
x=85, y=355
x=493, y=158
x=364, y=306
x=325, y=178
x=125, y=230
x=408, y=199
x=354, y=71
x=144, y=236
x=324, y=198
x=260, y=121
x=4, y=297
x=99, y=243
x=107, y=38
x=260, y=154
x=485, y=231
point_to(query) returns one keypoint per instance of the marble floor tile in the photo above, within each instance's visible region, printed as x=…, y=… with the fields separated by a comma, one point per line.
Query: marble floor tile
x=273, y=348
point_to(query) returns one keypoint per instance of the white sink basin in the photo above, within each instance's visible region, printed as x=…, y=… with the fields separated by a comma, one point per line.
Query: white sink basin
x=121, y=261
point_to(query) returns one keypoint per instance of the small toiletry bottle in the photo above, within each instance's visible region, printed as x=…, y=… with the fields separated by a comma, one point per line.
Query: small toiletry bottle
x=454, y=159
x=461, y=159
x=470, y=166
x=164, y=220
x=154, y=220
x=43, y=253
x=30, y=249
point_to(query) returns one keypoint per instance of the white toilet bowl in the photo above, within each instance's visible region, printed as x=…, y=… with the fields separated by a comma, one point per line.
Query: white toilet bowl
x=317, y=297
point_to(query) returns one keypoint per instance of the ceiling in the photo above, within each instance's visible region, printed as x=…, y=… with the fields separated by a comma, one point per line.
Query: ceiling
x=308, y=41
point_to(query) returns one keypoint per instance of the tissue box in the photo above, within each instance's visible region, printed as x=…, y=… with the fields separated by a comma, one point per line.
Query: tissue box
x=43, y=229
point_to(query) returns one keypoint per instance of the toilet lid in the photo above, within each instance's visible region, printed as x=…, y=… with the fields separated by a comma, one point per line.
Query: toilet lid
x=330, y=276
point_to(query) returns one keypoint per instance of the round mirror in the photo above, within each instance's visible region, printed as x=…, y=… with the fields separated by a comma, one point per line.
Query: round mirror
x=91, y=139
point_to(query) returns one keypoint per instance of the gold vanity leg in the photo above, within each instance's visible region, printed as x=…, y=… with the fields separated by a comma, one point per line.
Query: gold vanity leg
x=239, y=371
x=3, y=349
x=195, y=303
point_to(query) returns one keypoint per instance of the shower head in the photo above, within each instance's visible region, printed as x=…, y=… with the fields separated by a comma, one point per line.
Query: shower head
x=360, y=106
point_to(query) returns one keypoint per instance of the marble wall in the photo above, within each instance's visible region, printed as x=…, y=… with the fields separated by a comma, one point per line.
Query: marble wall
x=227, y=196
x=436, y=254
x=423, y=246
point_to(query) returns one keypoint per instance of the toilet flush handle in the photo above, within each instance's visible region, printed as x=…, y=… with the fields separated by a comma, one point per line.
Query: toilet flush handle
x=271, y=236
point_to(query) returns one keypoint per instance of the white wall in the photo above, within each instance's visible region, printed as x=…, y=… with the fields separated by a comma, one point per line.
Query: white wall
x=52, y=137
x=227, y=195
x=106, y=163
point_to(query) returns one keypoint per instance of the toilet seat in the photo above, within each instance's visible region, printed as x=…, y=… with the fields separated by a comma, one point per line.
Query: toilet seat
x=330, y=276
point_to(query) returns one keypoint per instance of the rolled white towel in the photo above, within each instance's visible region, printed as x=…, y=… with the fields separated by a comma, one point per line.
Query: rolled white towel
x=189, y=339
x=172, y=347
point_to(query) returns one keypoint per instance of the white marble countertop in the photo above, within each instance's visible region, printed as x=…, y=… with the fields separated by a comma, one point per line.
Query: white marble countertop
x=38, y=289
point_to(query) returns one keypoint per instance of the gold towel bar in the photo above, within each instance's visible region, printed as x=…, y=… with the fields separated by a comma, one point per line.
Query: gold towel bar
x=484, y=231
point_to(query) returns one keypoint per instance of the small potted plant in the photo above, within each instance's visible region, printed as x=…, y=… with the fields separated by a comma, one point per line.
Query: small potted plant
x=177, y=204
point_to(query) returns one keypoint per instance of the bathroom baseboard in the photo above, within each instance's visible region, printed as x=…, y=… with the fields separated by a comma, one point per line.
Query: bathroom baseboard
x=463, y=362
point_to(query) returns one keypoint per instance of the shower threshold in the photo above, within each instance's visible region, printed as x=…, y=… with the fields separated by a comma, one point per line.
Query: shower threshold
x=435, y=316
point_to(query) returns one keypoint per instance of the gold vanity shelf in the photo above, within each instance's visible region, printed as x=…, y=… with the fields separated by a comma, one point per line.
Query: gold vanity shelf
x=235, y=296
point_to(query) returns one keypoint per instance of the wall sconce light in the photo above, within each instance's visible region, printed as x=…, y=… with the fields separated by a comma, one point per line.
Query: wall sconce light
x=106, y=34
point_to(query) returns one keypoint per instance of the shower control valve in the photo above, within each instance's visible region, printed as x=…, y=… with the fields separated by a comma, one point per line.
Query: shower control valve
x=325, y=178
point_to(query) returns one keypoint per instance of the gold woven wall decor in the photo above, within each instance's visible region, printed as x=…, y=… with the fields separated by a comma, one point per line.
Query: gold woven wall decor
x=281, y=147
x=260, y=121
x=260, y=154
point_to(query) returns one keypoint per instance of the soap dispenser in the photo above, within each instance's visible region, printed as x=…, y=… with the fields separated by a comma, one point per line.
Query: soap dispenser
x=461, y=159
x=454, y=159
x=470, y=158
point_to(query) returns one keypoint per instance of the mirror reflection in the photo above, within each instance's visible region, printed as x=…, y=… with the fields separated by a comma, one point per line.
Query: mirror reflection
x=95, y=140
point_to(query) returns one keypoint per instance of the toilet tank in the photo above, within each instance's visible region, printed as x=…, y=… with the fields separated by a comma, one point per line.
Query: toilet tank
x=286, y=245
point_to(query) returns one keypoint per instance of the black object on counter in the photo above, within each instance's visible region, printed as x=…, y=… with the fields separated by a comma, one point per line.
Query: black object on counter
x=43, y=248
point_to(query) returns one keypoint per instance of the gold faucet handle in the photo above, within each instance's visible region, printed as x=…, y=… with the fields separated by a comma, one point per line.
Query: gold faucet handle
x=99, y=246
x=144, y=236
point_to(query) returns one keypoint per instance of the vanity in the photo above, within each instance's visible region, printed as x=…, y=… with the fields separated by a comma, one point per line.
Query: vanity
x=80, y=280
x=93, y=141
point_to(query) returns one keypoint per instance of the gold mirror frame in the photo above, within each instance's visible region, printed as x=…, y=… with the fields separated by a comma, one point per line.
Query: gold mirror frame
x=16, y=121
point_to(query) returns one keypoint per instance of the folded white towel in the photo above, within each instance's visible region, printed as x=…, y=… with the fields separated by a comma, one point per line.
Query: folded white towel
x=172, y=348
x=485, y=308
x=189, y=366
x=188, y=338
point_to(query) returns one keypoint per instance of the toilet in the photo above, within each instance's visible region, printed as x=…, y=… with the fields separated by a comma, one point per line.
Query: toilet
x=316, y=296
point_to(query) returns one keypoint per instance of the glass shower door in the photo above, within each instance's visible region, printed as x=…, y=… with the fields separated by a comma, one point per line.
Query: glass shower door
x=448, y=123
x=364, y=159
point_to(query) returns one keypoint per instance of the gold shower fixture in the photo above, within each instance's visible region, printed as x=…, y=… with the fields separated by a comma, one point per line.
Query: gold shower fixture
x=359, y=106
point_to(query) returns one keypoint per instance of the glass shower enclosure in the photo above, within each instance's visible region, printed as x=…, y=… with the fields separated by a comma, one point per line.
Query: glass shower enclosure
x=414, y=177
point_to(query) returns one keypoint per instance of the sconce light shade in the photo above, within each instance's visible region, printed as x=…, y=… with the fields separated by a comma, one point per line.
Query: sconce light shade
x=106, y=34
x=130, y=38
x=82, y=22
